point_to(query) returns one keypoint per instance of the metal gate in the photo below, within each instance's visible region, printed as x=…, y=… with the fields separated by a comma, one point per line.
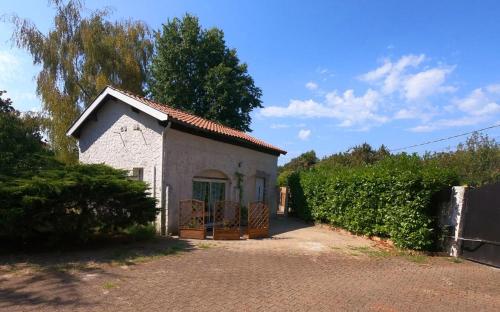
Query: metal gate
x=481, y=229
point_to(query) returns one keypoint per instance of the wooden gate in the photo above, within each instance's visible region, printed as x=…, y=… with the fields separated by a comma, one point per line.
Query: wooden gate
x=192, y=219
x=258, y=220
x=226, y=220
x=481, y=230
x=283, y=200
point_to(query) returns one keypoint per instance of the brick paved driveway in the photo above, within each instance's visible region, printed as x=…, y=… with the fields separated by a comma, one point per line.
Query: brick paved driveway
x=301, y=268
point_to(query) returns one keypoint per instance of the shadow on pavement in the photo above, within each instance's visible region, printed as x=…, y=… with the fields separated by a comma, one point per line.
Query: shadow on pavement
x=53, y=278
x=282, y=224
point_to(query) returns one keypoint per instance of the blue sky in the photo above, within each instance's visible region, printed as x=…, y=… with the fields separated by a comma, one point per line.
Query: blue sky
x=333, y=74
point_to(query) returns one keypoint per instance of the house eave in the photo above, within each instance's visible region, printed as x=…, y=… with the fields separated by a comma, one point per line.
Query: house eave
x=102, y=97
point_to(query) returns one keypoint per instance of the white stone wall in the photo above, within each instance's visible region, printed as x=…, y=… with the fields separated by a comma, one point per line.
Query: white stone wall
x=188, y=155
x=124, y=139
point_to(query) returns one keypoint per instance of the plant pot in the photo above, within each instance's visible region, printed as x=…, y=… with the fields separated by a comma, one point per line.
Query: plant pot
x=227, y=234
x=258, y=233
x=192, y=233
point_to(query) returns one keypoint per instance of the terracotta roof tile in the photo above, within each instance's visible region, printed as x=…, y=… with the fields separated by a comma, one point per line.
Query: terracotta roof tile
x=201, y=123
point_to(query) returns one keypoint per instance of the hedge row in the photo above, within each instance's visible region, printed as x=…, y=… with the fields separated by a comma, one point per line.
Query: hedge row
x=392, y=198
x=71, y=203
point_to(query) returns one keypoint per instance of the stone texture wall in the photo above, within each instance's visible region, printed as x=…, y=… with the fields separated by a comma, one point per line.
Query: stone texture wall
x=188, y=155
x=124, y=139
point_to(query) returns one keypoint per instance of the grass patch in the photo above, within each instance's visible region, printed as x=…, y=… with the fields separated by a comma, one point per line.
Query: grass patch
x=130, y=257
x=375, y=252
x=109, y=285
x=205, y=245
x=413, y=256
x=71, y=266
x=455, y=260
x=369, y=251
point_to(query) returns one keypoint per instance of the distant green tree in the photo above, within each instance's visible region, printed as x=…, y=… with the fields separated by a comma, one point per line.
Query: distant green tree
x=477, y=161
x=304, y=161
x=79, y=56
x=358, y=155
x=20, y=138
x=194, y=70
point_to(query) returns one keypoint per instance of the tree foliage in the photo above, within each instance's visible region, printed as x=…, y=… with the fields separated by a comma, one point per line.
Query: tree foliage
x=44, y=201
x=477, y=161
x=373, y=192
x=71, y=203
x=79, y=56
x=20, y=139
x=358, y=155
x=193, y=69
x=304, y=161
x=391, y=198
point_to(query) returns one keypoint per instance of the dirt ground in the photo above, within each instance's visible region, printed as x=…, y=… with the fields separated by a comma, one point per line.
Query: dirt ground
x=302, y=267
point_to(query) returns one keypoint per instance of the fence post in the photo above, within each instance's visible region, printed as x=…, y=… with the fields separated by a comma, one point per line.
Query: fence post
x=457, y=218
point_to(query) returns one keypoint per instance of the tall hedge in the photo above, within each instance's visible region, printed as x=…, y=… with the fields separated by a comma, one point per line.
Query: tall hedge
x=392, y=198
x=71, y=203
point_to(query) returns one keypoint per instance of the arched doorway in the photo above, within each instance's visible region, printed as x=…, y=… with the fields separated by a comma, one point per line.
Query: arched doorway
x=210, y=186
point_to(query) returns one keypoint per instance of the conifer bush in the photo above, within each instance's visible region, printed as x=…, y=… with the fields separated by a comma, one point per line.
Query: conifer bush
x=72, y=203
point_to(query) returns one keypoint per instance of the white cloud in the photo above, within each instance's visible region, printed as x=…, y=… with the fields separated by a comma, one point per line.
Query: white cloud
x=408, y=88
x=390, y=73
x=16, y=77
x=427, y=83
x=279, y=126
x=9, y=66
x=311, y=86
x=304, y=134
x=406, y=78
x=480, y=102
x=479, y=106
x=447, y=123
x=349, y=109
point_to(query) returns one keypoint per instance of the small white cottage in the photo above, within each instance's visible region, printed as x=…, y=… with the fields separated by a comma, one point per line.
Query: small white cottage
x=180, y=155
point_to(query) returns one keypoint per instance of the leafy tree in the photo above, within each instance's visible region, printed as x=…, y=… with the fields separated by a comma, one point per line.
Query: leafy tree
x=477, y=161
x=304, y=161
x=358, y=155
x=193, y=69
x=20, y=138
x=79, y=57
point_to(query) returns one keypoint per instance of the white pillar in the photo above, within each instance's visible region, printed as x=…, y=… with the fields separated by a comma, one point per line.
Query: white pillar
x=457, y=218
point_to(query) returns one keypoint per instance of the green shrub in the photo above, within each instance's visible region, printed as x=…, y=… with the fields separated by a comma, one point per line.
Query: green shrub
x=141, y=232
x=71, y=203
x=391, y=198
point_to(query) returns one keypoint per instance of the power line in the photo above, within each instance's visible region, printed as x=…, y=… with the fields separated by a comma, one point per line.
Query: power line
x=443, y=139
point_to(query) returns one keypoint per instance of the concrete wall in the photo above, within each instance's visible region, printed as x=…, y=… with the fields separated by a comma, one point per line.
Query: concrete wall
x=124, y=139
x=188, y=155
x=451, y=220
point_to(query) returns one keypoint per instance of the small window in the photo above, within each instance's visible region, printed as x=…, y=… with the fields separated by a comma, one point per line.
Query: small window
x=138, y=174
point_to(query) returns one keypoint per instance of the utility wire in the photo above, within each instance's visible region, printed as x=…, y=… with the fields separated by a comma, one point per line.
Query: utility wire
x=444, y=139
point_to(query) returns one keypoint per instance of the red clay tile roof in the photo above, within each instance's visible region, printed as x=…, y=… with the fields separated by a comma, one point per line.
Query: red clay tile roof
x=201, y=123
